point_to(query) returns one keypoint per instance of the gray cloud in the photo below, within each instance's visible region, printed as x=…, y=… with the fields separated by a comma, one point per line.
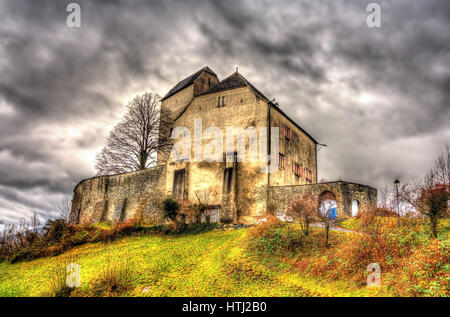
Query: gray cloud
x=380, y=98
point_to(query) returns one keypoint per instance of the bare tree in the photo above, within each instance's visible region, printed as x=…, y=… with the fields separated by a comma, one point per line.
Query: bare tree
x=324, y=216
x=205, y=198
x=303, y=210
x=430, y=196
x=439, y=173
x=64, y=208
x=136, y=142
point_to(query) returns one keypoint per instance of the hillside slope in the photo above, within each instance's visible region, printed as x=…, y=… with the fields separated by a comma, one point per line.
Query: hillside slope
x=207, y=264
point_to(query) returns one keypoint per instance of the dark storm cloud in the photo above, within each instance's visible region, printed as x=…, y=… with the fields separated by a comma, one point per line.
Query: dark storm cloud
x=380, y=98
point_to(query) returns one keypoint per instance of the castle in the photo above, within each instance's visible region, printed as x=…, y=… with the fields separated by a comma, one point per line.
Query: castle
x=234, y=177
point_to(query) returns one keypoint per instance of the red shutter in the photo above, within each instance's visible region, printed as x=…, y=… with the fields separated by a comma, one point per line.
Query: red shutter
x=301, y=171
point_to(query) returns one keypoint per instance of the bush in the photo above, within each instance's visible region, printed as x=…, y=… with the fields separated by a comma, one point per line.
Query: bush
x=115, y=279
x=58, y=278
x=54, y=230
x=275, y=238
x=424, y=273
x=170, y=209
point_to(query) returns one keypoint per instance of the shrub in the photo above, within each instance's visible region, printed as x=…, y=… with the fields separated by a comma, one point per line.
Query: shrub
x=58, y=278
x=275, y=238
x=54, y=230
x=424, y=273
x=115, y=279
x=170, y=209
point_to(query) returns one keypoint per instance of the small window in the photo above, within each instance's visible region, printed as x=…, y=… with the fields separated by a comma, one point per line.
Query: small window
x=281, y=161
x=209, y=82
x=308, y=175
x=227, y=180
x=296, y=169
x=287, y=133
x=221, y=101
x=179, y=177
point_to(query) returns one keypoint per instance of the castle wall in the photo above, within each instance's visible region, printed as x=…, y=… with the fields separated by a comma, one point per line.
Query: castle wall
x=179, y=101
x=243, y=109
x=300, y=148
x=119, y=197
x=344, y=192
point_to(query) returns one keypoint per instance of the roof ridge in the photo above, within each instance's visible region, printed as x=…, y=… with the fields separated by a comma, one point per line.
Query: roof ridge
x=188, y=81
x=252, y=87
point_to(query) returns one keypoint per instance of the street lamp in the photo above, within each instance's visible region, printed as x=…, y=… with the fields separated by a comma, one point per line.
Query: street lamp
x=397, y=185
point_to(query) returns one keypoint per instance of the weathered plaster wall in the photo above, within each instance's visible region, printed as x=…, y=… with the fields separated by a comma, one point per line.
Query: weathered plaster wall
x=345, y=193
x=179, y=101
x=119, y=197
x=243, y=109
x=301, y=149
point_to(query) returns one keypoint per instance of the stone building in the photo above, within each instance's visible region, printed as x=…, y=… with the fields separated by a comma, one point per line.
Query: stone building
x=232, y=172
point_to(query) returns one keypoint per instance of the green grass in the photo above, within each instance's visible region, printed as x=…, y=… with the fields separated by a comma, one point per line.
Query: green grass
x=423, y=224
x=214, y=263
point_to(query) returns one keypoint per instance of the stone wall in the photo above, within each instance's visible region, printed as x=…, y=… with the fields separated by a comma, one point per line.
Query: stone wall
x=300, y=149
x=120, y=197
x=344, y=192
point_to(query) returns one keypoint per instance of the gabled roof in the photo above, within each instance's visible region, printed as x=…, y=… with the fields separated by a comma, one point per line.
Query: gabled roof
x=234, y=81
x=187, y=81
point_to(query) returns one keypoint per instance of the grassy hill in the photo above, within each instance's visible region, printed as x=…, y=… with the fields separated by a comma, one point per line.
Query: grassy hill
x=207, y=264
x=274, y=259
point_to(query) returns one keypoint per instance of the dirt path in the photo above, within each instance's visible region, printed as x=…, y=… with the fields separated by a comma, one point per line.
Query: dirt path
x=333, y=227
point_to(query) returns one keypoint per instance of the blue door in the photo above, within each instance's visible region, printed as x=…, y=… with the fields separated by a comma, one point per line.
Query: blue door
x=332, y=213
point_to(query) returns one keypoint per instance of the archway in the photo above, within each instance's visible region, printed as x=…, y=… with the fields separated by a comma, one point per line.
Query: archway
x=328, y=204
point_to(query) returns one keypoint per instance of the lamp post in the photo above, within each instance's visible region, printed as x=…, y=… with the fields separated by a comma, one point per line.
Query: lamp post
x=397, y=185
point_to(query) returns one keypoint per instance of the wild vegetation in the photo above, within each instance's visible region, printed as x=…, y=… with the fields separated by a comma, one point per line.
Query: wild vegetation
x=273, y=258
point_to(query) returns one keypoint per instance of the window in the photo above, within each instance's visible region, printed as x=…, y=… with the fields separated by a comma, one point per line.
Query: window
x=221, y=101
x=209, y=82
x=281, y=161
x=308, y=175
x=296, y=169
x=178, y=184
x=227, y=180
x=287, y=133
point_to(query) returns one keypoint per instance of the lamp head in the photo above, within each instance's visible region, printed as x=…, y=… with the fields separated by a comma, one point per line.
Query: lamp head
x=396, y=183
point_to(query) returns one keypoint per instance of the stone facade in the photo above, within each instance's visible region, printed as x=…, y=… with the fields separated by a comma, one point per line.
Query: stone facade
x=236, y=185
x=119, y=197
x=345, y=194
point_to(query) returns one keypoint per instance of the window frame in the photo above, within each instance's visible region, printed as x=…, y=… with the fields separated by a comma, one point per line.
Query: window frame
x=281, y=161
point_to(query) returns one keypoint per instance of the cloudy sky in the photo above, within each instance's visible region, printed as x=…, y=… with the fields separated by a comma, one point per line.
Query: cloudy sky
x=378, y=97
